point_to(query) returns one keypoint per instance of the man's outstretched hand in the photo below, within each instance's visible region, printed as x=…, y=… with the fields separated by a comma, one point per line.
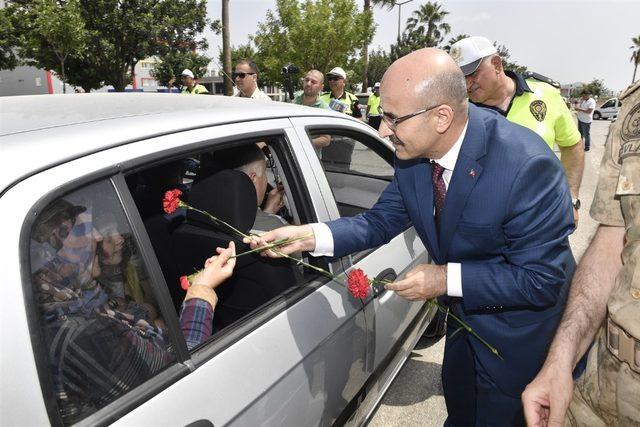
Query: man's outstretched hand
x=284, y=233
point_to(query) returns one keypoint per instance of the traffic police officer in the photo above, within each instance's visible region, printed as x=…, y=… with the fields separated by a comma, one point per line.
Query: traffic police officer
x=531, y=100
x=605, y=294
x=189, y=85
x=338, y=98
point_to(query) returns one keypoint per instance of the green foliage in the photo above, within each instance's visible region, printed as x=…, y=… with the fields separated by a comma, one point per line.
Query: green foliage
x=508, y=65
x=119, y=33
x=56, y=31
x=8, y=41
x=318, y=34
x=596, y=88
x=425, y=28
x=379, y=61
x=167, y=70
x=453, y=40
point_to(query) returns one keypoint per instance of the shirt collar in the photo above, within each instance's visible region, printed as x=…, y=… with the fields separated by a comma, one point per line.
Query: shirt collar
x=448, y=161
x=521, y=83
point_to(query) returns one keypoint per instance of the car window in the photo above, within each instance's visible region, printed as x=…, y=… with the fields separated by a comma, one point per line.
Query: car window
x=608, y=104
x=98, y=314
x=247, y=188
x=358, y=169
x=357, y=174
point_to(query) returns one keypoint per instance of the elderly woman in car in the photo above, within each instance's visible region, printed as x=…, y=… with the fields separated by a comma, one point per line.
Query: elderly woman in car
x=99, y=349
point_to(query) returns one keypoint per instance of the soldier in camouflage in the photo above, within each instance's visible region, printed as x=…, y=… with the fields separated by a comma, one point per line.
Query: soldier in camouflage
x=604, y=298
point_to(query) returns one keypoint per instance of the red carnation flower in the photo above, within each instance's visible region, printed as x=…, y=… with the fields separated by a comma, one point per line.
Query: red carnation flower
x=358, y=283
x=184, y=283
x=171, y=200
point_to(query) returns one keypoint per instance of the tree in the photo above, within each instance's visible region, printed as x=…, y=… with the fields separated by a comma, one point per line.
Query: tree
x=59, y=29
x=312, y=34
x=635, y=56
x=170, y=65
x=508, y=65
x=226, y=49
x=428, y=21
x=454, y=40
x=379, y=61
x=365, y=49
x=425, y=28
x=122, y=32
x=596, y=87
x=8, y=41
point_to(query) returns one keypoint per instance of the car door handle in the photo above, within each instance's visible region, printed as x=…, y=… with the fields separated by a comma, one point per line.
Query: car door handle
x=388, y=274
x=200, y=423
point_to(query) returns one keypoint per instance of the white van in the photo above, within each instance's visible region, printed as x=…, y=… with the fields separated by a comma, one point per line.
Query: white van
x=608, y=110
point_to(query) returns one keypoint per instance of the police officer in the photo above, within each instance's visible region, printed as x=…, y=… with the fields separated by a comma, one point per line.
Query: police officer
x=189, y=85
x=373, y=107
x=338, y=98
x=530, y=100
x=606, y=283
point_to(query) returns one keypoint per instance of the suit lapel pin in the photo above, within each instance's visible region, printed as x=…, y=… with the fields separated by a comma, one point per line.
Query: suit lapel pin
x=472, y=173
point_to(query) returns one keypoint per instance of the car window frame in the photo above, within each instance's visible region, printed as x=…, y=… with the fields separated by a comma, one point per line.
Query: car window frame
x=374, y=143
x=185, y=362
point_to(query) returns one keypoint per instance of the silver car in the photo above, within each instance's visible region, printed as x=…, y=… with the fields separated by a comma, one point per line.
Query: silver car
x=91, y=333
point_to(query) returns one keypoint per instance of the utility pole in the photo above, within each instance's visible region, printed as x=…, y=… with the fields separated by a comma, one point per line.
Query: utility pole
x=399, y=4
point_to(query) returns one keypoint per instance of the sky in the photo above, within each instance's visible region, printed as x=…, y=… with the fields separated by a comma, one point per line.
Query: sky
x=569, y=41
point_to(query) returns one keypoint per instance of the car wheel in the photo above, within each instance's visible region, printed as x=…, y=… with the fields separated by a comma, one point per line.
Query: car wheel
x=597, y=115
x=437, y=328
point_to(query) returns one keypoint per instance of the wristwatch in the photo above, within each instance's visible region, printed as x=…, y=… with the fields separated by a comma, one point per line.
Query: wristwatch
x=576, y=204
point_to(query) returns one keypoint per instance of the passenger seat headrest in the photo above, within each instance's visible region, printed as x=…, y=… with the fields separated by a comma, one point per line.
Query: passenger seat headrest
x=228, y=195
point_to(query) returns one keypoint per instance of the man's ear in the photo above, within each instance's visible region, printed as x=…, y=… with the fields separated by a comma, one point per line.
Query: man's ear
x=253, y=177
x=496, y=61
x=444, y=117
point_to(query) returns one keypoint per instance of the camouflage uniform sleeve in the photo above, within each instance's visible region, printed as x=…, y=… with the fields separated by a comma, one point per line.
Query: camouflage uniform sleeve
x=606, y=208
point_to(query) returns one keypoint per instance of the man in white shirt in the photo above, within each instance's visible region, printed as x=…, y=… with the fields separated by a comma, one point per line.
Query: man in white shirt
x=245, y=76
x=492, y=206
x=585, y=117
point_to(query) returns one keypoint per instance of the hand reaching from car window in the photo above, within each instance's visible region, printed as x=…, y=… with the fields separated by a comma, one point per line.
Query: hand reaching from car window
x=275, y=200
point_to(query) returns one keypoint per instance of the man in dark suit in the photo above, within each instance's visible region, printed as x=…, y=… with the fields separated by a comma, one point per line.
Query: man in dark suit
x=490, y=201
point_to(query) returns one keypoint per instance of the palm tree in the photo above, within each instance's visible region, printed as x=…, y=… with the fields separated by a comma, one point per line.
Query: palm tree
x=635, y=56
x=365, y=49
x=454, y=40
x=226, y=49
x=428, y=20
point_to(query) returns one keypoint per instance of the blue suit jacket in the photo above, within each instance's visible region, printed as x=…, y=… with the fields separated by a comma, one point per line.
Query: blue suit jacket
x=506, y=219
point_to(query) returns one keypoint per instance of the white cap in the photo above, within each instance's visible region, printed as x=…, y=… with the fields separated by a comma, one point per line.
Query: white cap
x=469, y=52
x=187, y=72
x=376, y=85
x=337, y=71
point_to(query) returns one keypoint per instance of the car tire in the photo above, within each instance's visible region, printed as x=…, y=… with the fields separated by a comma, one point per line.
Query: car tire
x=597, y=115
x=437, y=328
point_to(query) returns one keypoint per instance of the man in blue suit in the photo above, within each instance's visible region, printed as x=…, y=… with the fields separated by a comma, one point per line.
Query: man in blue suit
x=491, y=203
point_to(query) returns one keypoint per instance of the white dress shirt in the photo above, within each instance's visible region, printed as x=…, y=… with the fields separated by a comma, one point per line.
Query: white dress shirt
x=324, y=238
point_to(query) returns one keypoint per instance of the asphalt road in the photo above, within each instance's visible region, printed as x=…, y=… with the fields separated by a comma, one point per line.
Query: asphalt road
x=415, y=397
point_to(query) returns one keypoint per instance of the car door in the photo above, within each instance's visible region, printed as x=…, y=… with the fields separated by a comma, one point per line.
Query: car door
x=299, y=359
x=353, y=171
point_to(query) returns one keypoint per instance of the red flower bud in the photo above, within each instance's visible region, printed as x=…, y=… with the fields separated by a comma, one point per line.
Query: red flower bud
x=171, y=200
x=358, y=283
x=184, y=283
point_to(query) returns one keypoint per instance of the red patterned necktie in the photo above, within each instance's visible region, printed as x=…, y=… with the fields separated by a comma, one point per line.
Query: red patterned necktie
x=439, y=190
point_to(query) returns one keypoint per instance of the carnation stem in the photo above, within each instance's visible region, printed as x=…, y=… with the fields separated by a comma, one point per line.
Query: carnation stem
x=275, y=244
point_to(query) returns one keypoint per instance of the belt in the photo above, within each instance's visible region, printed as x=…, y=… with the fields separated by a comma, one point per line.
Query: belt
x=623, y=346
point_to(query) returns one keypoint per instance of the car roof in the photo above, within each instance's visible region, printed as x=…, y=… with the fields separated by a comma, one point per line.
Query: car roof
x=41, y=131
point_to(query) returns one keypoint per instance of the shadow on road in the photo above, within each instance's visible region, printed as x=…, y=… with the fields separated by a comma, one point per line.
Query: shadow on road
x=425, y=380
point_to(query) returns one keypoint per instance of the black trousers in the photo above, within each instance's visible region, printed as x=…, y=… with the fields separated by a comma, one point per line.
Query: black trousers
x=374, y=121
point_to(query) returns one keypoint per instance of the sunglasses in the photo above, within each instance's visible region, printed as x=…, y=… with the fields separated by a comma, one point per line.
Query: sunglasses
x=241, y=75
x=333, y=78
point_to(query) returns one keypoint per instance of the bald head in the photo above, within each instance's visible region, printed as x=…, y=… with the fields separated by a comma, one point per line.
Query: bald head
x=427, y=77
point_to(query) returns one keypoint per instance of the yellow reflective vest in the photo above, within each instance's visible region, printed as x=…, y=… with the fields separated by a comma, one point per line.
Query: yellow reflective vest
x=544, y=111
x=196, y=90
